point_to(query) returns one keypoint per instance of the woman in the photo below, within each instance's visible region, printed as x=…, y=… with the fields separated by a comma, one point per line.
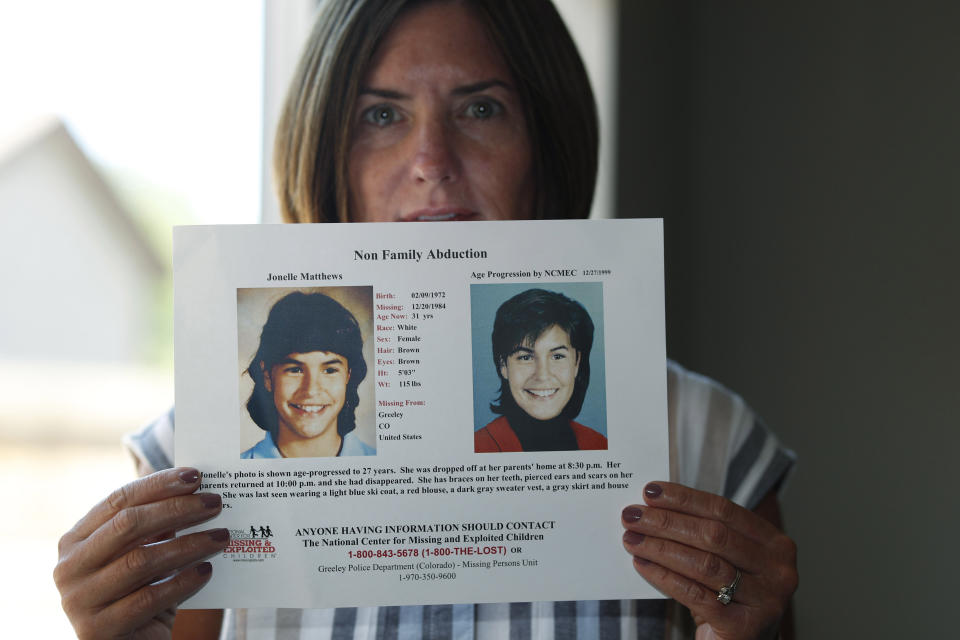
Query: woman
x=541, y=350
x=305, y=374
x=447, y=111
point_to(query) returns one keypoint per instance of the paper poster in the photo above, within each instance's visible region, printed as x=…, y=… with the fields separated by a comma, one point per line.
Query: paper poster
x=421, y=413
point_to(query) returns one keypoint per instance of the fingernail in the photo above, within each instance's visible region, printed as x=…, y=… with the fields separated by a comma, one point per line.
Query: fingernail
x=219, y=535
x=210, y=500
x=632, y=537
x=632, y=513
x=640, y=560
x=189, y=476
x=204, y=568
x=653, y=490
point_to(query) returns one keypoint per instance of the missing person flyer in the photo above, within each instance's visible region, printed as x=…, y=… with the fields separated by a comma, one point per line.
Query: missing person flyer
x=421, y=413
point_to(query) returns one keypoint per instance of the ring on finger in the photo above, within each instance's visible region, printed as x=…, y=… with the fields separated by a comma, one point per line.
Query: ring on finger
x=725, y=595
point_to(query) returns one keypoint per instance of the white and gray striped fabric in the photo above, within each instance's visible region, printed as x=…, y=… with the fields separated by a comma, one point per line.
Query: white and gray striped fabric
x=717, y=444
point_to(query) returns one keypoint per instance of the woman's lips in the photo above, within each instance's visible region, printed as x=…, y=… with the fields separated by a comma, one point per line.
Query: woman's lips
x=309, y=408
x=439, y=214
x=541, y=393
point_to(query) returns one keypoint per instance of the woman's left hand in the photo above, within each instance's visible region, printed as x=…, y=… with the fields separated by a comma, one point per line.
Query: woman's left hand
x=689, y=544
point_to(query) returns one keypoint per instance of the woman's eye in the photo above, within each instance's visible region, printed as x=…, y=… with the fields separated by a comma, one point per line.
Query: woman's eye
x=293, y=370
x=559, y=356
x=483, y=109
x=524, y=357
x=381, y=115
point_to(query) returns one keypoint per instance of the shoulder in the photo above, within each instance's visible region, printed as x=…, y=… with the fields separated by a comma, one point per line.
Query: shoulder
x=496, y=436
x=152, y=445
x=717, y=442
x=587, y=438
x=263, y=449
x=354, y=446
x=690, y=387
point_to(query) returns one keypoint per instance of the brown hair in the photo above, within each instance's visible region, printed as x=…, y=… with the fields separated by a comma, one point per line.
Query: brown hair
x=313, y=135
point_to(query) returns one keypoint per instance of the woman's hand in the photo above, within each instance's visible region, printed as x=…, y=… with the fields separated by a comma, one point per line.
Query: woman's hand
x=689, y=544
x=112, y=561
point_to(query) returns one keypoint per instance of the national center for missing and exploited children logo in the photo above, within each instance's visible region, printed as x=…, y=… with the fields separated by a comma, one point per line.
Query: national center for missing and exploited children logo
x=251, y=545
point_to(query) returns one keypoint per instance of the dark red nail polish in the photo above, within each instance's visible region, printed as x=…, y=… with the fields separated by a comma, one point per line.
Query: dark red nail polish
x=210, y=500
x=219, y=535
x=632, y=513
x=189, y=476
x=204, y=568
x=653, y=490
x=632, y=537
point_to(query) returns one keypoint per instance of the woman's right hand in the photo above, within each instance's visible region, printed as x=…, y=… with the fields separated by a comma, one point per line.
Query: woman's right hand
x=112, y=561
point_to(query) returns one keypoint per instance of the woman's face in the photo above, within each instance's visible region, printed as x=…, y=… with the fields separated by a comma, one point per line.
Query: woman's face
x=438, y=129
x=542, y=375
x=309, y=391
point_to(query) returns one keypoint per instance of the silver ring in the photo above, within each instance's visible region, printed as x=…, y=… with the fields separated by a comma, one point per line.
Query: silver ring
x=725, y=595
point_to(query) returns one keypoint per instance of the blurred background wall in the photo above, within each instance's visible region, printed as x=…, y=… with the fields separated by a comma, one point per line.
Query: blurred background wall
x=806, y=160
x=117, y=120
x=804, y=157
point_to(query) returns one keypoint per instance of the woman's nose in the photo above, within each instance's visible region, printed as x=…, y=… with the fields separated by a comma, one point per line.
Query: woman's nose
x=541, y=368
x=313, y=385
x=435, y=158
